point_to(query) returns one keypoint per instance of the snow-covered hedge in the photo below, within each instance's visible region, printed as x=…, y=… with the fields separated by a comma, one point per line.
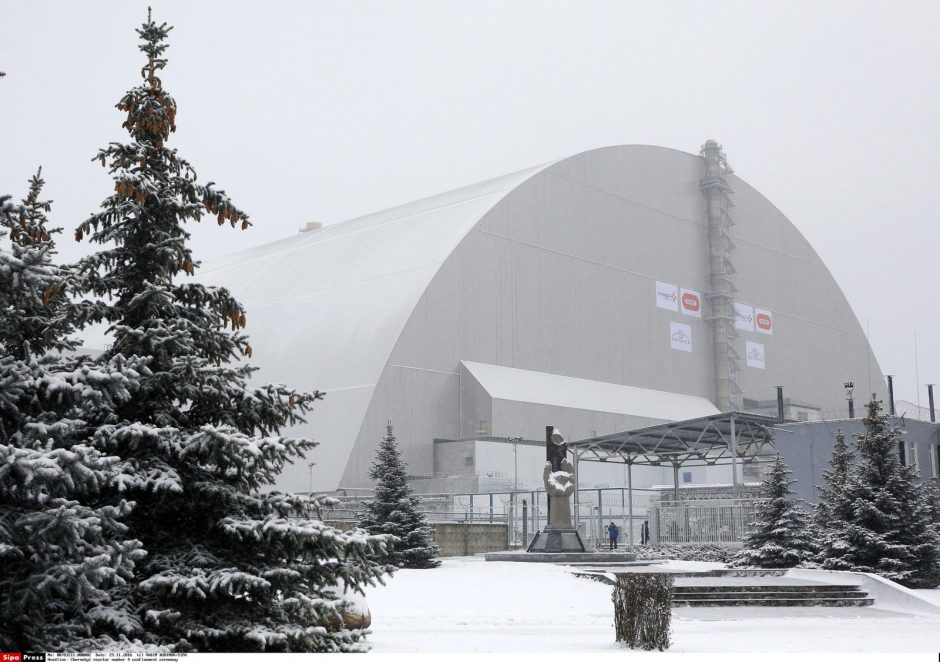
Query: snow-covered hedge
x=685, y=552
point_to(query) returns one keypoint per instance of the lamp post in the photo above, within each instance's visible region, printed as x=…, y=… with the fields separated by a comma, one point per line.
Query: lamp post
x=515, y=462
x=310, y=466
x=848, y=394
x=515, y=488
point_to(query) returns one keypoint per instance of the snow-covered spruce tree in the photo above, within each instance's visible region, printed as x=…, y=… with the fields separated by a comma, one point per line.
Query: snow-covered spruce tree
x=932, y=501
x=35, y=316
x=888, y=528
x=782, y=534
x=395, y=510
x=230, y=567
x=832, y=504
x=65, y=555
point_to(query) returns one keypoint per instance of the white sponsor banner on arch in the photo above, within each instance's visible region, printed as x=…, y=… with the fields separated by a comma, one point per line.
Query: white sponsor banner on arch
x=690, y=302
x=763, y=321
x=680, y=336
x=667, y=296
x=743, y=316
x=754, y=354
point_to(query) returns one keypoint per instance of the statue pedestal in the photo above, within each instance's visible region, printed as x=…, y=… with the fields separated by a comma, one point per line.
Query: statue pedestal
x=557, y=539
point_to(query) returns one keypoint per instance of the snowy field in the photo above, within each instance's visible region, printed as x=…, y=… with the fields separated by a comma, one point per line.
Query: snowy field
x=470, y=606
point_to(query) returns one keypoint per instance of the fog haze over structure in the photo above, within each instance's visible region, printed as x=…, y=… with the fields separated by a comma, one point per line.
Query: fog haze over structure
x=330, y=110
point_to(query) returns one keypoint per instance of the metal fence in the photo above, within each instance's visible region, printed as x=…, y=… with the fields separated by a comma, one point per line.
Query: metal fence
x=721, y=521
x=463, y=516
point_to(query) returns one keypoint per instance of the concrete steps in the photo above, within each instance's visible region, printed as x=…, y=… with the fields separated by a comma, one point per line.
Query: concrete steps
x=771, y=595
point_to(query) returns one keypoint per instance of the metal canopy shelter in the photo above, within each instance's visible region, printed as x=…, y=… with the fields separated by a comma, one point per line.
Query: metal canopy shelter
x=720, y=439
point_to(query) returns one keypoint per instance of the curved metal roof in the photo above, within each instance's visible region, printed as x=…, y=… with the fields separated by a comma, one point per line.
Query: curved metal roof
x=348, y=290
x=326, y=308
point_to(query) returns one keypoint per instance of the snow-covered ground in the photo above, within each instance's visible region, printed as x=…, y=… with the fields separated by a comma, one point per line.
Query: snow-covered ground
x=468, y=605
x=931, y=594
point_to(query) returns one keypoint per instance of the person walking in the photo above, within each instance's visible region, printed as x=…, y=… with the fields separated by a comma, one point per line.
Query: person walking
x=613, y=533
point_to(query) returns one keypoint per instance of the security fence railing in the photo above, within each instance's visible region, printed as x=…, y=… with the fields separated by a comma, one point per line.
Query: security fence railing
x=353, y=515
x=722, y=521
x=652, y=520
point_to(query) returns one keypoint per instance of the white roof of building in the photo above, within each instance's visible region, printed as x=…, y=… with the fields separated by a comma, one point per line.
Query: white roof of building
x=543, y=388
x=343, y=294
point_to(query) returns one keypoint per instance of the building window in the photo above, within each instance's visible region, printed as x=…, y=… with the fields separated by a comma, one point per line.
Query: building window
x=686, y=476
x=912, y=454
x=934, y=461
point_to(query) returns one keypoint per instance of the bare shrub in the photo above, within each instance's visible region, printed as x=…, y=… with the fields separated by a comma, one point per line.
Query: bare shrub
x=643, y=610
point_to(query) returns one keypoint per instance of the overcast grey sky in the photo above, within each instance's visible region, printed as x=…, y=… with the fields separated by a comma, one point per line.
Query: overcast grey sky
x=325, y=111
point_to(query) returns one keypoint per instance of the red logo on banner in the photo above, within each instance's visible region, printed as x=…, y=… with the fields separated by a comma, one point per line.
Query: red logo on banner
x=763, y=321
x=690, y=302
x=11, y=657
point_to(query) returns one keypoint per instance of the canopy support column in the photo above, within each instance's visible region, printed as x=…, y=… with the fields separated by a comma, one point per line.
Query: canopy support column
x=675, y=481
x=577, y=489
x=630, y=499
x=734, y=458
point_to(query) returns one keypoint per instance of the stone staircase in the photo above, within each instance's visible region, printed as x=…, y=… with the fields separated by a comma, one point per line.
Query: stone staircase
x=771, y=595
x=750, y=587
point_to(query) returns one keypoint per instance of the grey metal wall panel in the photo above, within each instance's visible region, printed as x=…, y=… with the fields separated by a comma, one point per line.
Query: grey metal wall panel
x=559, y=277
x=550, y=270
x=807, y=448
x=421, y=404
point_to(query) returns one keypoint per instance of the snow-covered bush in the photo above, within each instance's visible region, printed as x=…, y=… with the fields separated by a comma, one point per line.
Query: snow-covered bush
x=682, y=552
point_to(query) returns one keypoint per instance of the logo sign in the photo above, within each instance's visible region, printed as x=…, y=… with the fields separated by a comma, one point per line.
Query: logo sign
x=754, y=353
x=680, y=336
x=743, y=317
x=763, y=321
x=690, y=302
x=667, y=296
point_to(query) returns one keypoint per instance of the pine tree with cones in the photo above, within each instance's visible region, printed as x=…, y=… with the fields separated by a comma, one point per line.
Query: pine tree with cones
x=394, y=511
x=65, y=552
x=230, y=565
x=782, y=534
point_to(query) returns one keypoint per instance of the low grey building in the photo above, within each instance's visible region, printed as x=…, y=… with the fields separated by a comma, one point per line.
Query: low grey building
x=807, y=448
